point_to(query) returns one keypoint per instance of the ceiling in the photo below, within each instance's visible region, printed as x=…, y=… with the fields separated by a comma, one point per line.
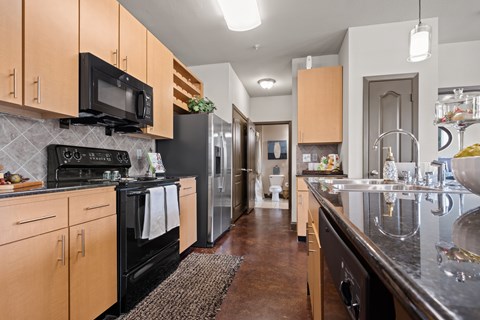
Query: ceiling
x=195, y=31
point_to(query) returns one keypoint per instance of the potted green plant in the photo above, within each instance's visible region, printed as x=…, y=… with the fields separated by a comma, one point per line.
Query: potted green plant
x=198, y=105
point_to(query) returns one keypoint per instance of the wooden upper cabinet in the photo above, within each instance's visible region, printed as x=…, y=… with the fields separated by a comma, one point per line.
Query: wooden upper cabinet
x=320, y=105
x=11, y=51
x=51, y=56
x=133, y=46
x=159, y=76
x=99, y=21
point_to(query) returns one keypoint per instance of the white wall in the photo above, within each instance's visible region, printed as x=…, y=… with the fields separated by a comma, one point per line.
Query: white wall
x=276, y=108
x=238, y=94
x=215, y=78
x=459, y=66
x=382, y=50
x=343, y=57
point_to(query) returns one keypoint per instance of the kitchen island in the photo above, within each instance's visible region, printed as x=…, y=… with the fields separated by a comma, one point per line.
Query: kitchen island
x=414, y=243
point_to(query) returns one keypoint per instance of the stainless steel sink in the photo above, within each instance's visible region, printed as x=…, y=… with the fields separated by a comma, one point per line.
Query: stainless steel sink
x=378, y=185
x=384, y=187
x=354, y=181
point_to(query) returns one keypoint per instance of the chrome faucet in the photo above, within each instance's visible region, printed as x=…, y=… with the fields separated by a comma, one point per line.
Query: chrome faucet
x=441, y=168
x=418, y=176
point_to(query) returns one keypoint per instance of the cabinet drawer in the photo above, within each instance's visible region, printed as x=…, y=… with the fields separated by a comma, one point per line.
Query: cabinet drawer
x=301, y=184
x=91, y=206
x=188, y=186
x=20, y=221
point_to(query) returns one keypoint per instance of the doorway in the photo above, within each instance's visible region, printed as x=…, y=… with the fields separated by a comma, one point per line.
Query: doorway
x=243, y=153
x=271, y=135
x=389, y=102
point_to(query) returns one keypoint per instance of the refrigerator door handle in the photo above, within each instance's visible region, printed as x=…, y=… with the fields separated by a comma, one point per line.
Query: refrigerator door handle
x=224, y=160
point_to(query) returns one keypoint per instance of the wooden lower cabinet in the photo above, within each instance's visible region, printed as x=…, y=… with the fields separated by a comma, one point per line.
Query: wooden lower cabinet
x=188, y=213
x=302, y=207
x=34, y=277
x=52, y=270
x=93, y=264
x=315, y=260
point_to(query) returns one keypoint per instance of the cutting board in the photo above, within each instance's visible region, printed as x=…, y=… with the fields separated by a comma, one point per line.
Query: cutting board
x=20, y=186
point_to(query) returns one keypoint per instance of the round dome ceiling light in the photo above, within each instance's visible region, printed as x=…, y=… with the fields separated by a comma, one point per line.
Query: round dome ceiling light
x=266, y=83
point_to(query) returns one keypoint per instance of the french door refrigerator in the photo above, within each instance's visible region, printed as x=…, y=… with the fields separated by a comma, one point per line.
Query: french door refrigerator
x=202, y=147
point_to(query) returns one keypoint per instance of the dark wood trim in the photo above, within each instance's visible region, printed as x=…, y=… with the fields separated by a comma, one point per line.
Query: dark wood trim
x=239, y=113
x=290, y=191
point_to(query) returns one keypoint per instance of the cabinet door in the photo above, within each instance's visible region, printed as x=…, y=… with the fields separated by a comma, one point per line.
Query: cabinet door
x=51, y=56
x=11, y=51
x=160, y=77
x=99, y=29
x=320, y=105
x=93, y=267
x=133, y=46
x=302, y=212
x=188, y=221
x=34, y=277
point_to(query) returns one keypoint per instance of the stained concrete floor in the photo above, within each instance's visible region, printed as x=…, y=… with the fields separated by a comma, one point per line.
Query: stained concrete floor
x=271, y=283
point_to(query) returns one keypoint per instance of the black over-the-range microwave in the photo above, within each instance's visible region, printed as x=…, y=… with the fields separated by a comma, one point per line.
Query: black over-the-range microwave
x=111, y=97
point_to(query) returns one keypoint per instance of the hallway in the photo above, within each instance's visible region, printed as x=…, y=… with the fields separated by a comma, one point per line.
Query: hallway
x=271, y=282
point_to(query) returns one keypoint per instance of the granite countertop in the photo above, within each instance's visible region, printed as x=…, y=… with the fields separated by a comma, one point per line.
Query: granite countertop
x=415, y=245
x=52, y=188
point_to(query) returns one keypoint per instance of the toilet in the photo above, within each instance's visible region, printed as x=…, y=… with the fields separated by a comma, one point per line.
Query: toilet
x=276, y=182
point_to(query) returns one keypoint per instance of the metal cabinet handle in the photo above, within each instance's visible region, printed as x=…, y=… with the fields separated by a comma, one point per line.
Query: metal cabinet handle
x=97, y=207
x=187, y=188
x=82, y=234
x=39, y=90
x=126, y=63
x=36, y=219
x=115, y=53
x=374, y=173
x=62, y=257
x=14, y=75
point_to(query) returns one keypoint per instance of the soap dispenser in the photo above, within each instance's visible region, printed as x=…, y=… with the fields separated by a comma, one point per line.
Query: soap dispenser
x=390, y=173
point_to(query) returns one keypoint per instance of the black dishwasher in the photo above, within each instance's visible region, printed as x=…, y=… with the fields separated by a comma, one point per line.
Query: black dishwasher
x=363, y=294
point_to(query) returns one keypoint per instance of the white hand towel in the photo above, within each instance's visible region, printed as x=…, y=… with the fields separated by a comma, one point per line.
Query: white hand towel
x=146, y=218
x=173, y=215
x=157, y=212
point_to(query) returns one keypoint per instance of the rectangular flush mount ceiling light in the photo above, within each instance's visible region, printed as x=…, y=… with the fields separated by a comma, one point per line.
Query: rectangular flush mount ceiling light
x=240, y=15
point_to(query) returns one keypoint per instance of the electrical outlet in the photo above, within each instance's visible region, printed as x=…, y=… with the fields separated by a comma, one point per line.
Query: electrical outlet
x=139, y=154
x=314, y=157
x=306, y=157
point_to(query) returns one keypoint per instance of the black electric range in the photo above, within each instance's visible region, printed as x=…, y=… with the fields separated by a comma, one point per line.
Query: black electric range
x=142, y=263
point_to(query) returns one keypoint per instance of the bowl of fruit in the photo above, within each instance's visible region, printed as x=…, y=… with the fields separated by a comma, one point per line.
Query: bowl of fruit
x=466, y=168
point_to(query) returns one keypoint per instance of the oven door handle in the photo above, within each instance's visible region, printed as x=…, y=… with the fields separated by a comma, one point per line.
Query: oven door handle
x=137, y=193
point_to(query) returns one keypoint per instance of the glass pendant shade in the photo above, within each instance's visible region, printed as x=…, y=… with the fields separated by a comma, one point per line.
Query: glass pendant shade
x=266, y=83
x=420, y=43
x=240, y=15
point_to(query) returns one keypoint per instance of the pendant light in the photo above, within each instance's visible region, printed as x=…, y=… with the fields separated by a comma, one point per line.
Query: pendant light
x=420, y=39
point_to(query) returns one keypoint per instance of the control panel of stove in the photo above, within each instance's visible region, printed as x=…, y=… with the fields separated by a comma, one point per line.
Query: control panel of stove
x=77, y=156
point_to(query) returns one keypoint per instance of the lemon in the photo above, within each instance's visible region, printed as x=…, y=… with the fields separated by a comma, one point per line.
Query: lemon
x=470, y=151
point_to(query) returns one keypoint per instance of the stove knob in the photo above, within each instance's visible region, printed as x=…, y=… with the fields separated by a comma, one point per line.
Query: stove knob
x=77, y=155
x=346, y=292
x=119, y=157
x=125, y=156
x=67, y=154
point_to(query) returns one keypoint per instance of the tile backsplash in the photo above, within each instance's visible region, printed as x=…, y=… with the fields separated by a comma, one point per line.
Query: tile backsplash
x=318, y=150
x=24, y=141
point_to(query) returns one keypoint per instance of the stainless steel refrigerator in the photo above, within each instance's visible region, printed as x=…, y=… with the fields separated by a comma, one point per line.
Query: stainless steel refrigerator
x=202, y=147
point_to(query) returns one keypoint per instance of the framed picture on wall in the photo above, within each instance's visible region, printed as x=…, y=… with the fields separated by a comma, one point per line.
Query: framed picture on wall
x=277, y=149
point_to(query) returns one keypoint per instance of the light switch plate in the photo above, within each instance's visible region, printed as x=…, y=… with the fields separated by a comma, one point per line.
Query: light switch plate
x=314, y=157
x=139, y=154
x=306, y=157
